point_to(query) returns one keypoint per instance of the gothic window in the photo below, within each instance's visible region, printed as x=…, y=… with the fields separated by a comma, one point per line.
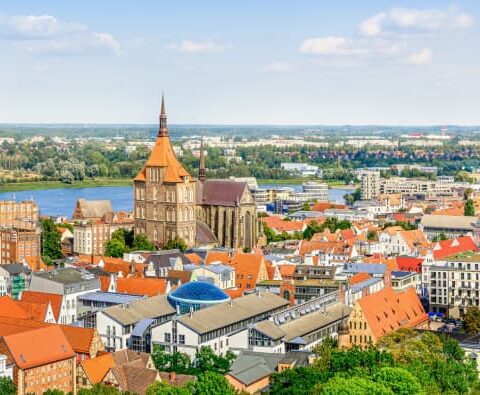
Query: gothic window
x=168, y=214
x=185, y=214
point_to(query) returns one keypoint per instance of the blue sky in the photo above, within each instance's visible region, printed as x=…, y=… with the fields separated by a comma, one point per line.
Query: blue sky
x=248, y=62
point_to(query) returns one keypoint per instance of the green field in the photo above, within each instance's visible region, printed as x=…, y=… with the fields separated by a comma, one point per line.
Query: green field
x=89, y=183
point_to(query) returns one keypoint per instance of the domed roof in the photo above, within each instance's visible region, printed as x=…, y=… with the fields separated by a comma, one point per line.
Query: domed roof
x=199, y=291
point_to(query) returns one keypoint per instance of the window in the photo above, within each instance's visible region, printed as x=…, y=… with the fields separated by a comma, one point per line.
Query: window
x=181, y=339
x=167, y=337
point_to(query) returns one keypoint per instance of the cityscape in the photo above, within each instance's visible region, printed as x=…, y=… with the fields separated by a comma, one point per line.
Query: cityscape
x=275, y=198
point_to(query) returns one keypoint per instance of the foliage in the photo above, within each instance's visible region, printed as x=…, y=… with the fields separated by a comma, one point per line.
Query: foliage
x=161, y=388
x=331, y=223
x=399, y=381
x=66, y=225
x=212, y=383
x=353, y=197
x=102, y=389
x=51, y=240
x=403, y=224
x=351, y=386
x=123, y=240
x=471, y=320
x=176, y=244
x=7, y=387
x=207, y=361
x=114, y=248
x=298, y=381
x=371, y=235
x=306, y=206
x=141, y=243
x=469, y=209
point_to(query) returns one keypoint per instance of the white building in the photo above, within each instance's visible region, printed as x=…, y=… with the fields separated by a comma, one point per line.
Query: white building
x=370, y=184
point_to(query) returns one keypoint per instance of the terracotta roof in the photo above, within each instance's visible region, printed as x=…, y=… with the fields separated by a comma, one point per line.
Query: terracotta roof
x=55, y=300
x=387, y=311
x=249, y=269
x=163, y=155
x=217, y=256
x=9, y=308
x=38, y=311
x=97, y=368
x=233, y=293
x=358, y=278
x=279, y=225
x=39, y=347
x=194, y=258
x=409, y=263
x=445, y=248
x=36, y=264
x=117, y=267
x=322, y=206
x=135, y=379
x=287, y=271
x=79, y=338
x=104, y=283
x=177, y=380
x=141, y=286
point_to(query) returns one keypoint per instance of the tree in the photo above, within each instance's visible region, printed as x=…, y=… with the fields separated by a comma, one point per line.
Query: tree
x=115, y=248
x=306, y=206
x=471, y=320
x=176, y=244
x=398, y=380
x=207, y=360
x=141, y=243
x=298, y=381
x=51, y=243
x=161, y=388
x=351, y=386
x=7, y=387
x=212, y=383
x=371, y=235
x=469, y=209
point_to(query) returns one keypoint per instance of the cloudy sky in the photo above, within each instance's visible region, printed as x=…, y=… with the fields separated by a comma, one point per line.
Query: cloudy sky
x=242, y=62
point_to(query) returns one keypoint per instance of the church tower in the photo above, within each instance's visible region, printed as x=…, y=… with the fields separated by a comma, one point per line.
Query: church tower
x=202, y=171
x=164, y=194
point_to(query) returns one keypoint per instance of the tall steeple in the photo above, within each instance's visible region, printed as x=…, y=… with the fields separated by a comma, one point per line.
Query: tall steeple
x=162, y=130
x=201, y=166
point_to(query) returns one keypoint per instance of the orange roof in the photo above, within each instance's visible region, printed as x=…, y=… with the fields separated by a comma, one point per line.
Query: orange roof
x=249, y=268
x=358, y=278
x=217, y=256
x=141, y=286
x=270, y=269
x=387, y=311
x=322, y=206
x=79, y=338
x=104, y=283
x=55, y=300
x=117, y=267
x=449, y=247
x=38, y=311
x=279, y=225
x=9, y=308
x=35, y=263
x=233, y=293
x=163, y=155
x=39, y=347
x=97, y=368
x=194, y=258
x=286, y=271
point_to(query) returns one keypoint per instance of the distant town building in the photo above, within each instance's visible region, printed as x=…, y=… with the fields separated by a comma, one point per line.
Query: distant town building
x=370, y=184
x=19, y=215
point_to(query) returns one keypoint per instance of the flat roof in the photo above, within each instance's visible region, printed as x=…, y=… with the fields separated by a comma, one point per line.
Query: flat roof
x=67, y=276
x=109, y=297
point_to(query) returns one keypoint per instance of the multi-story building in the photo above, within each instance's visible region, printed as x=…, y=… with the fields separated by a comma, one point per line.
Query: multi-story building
x=41, y=359
x=315, y=191
x=453, y=284
x=17, y=244
x=89, y=237
x=14, y=279
x=18, y=214
x=68, y=282
x=370, y=184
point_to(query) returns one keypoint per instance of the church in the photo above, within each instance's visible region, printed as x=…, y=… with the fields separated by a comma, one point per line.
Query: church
x=169, y=203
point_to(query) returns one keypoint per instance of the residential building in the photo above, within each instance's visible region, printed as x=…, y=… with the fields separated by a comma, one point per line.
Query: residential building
x=42, y=359
x=450, y=226
x=89, y=237
x=91, y=209
x=223, y=276
x=370, y=184
x=21, y=215
x=17, y=244
x=14, y=279
x=68, y=282
x=314, y=191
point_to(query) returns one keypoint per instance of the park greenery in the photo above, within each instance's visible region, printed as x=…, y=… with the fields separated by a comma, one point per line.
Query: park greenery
x=124, y=240
x=51, y=243
x=405, y=362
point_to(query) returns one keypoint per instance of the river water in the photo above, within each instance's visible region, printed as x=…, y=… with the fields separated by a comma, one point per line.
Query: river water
x=61, y=202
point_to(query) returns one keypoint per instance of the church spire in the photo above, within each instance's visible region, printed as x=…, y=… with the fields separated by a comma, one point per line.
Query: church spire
x=201, y=166
x=162, y=130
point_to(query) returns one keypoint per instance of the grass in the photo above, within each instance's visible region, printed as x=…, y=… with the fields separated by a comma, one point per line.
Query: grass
x=88, y=183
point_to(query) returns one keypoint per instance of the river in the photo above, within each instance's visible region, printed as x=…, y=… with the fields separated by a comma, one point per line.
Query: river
x=61, y=202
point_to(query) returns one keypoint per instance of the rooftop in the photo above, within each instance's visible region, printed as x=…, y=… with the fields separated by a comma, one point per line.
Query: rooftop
x=109, y=297
x=66, y=276
x=199, y=291
x=468, y=256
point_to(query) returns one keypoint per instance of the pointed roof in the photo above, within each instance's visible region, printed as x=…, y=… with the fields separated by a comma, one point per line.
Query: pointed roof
x=163, y=155
x=201, y=164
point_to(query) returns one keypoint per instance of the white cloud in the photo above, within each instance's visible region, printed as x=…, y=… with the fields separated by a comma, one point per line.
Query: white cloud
x=47, y=34
x=423, y=57
x=329, y=45
x=415, y=20
x=276, y=67
x=190, y=46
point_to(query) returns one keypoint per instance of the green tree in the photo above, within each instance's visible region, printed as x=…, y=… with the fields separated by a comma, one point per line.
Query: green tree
x=7, y=387
x=469, y=209
x=51, y=243
x=212, y=383
x=298, y=381
x=161, y=388
x=141, y=243
x=176, y=244
x=471, y=320
x=115, y=248
x=306, y=206
x=398, y=380
x=207, y=360
x=351, y=386
x=371, y=235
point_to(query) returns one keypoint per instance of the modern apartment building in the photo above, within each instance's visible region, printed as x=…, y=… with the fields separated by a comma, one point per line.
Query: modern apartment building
x=370, y=184
x=17, y=244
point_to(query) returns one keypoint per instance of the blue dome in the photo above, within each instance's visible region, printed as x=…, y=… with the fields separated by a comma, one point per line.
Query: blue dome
x=200, y=292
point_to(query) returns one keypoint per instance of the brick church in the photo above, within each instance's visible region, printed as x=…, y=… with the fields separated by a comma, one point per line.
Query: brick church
x=169, y=203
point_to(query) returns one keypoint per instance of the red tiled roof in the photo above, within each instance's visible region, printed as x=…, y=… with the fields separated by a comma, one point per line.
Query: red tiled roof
x=445, y=248
x=286, y=271
x=322, y=206
x=141, y=286
x=409, y=263
x=194, y=258
x=9, y=308
x=217, y=256
x=79, y=338
x=249, y=268
x=39, y=347
x=97, y=368
x=55, y=300
x=358, y=278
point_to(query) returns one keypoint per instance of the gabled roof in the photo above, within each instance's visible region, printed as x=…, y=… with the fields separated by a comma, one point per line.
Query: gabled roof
x=194, y=258
x=39, y=347
x=223, y=192
x=141, y=286
x=10, y=308
x=358, y=278
x=38, y=311
x=409, y=263
x=79, y=338
x=86, y=209
x=217, y=256
x=55, y=300
x=449, y=247
x=97, y=368
x=387, y=311
x=249, y=269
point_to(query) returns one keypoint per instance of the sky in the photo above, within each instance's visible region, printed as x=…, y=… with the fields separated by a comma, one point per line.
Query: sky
x=240, y=62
